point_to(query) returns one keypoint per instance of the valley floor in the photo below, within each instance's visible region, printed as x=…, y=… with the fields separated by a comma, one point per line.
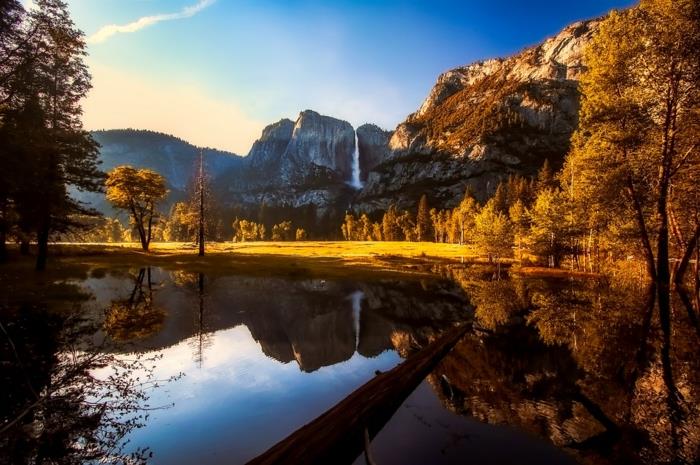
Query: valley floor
x=313, y=259
x=297, y=259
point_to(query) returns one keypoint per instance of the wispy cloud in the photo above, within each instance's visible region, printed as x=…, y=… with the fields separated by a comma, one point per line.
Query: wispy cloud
x=109, y=30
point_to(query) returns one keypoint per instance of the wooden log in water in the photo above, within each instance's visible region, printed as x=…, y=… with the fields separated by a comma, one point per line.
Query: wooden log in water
x=337, y=436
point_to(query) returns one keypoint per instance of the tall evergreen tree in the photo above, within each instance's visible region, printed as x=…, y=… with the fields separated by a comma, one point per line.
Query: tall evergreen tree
x=61, y=80
x=464, y=216
x=545, y=178
x=500, y=198
x=424, y=224
x=11, y=38
x=390, y=227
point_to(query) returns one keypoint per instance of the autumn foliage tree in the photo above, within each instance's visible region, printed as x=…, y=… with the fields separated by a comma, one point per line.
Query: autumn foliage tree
x=636, y=151
x=424, y=224
x=138, y=192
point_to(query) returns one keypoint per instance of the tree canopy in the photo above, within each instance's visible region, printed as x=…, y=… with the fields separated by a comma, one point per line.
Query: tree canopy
x=137, y=191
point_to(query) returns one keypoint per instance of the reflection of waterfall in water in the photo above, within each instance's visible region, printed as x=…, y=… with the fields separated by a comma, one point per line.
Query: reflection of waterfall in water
x=355, y=180
x=356, y=298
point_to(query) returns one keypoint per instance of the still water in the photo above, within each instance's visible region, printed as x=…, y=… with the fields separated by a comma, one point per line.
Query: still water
x=170, y=367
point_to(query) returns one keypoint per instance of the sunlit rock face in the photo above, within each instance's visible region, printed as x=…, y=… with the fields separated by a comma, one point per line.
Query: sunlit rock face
x=319, y=142
x=484, y=121
x=306, y=162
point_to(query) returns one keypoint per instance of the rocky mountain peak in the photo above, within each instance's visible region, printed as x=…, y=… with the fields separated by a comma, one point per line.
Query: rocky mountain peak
x=272, y=143
x=558, y=58
x=322, y=141
x=483, y=122
x=479, y=124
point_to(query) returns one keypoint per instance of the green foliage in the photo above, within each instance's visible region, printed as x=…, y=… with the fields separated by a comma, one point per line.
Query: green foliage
x=636, y=145
x=391, y=231
x=550, y=227
x=181, y=224
x=43, y=79
x=360, y=229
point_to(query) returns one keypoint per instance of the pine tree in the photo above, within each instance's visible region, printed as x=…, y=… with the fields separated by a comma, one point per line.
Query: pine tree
x=463, y=217
x=349, y=226
x=520, y=220
x=11, y=39
x=61, y=80
x=424, y=225
x=12, y=44
x=365, y=228
x=549, y=234
x=493, y=232
x=390, y=228
x=545, y=178
x=500, y=198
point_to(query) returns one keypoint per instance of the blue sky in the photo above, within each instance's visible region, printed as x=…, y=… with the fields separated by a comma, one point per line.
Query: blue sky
x=216, y=71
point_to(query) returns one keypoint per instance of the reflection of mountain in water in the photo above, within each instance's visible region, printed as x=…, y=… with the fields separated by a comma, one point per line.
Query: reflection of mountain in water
x=312, y=322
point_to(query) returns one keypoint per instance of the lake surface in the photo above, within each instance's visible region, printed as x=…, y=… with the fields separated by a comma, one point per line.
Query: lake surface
x=171, y=367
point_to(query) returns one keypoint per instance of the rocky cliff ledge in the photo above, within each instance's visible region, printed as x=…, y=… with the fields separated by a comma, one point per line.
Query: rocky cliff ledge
x=482, y=122
x=293, y=164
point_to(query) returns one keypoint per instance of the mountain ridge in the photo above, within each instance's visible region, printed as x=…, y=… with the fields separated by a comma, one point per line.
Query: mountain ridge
x=479, y=124
x=484, y=121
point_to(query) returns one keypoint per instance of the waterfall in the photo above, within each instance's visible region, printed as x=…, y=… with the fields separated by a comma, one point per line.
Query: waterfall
x=356, y=298
x=355, y=180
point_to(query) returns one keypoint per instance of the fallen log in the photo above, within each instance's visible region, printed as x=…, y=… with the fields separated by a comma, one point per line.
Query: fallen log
x=338, y=435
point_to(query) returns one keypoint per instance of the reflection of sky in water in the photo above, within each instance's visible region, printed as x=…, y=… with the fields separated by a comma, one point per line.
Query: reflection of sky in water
x=240, y=401
x=235, y=402
x=263, y=356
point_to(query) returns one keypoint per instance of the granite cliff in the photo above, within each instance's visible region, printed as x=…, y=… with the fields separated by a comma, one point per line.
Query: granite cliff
x=482, y=122
x=294, y=164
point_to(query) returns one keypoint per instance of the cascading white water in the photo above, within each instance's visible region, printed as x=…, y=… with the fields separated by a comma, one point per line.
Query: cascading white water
x=356, y=298
x=355, y=180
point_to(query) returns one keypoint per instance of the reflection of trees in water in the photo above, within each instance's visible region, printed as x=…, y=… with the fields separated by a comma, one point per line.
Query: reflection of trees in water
x=136, y=317
x=66, y=400
x=596, y=369
x=202, y=338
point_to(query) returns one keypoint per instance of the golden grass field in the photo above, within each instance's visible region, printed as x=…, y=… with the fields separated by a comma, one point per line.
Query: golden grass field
x=303, y=259
x=295, y=258
x=366, y=260
x=327, y=249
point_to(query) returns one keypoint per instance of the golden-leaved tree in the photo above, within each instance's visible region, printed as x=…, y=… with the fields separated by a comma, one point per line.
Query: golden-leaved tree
x=137, y=191
x=636, y=154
